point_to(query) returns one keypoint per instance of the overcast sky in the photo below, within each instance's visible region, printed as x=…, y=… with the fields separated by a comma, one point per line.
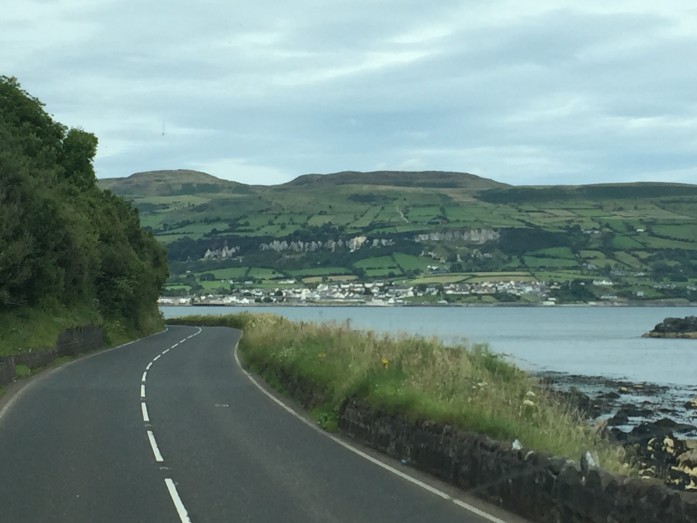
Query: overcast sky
x=524, y=92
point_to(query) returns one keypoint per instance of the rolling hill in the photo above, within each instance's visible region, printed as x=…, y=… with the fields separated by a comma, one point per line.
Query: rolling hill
x=414, y=225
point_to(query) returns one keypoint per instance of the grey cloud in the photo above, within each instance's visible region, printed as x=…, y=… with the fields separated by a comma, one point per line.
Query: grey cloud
x=522, y=94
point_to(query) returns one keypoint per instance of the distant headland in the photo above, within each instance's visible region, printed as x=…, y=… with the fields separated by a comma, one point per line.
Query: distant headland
x=675, y=328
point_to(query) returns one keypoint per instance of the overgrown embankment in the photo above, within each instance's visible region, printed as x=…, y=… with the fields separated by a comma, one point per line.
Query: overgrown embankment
x=459, y=413
x=326, y=365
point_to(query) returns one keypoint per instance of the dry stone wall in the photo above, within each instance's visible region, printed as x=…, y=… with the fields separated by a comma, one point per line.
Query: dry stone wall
x=70, y=342
x=537, y=486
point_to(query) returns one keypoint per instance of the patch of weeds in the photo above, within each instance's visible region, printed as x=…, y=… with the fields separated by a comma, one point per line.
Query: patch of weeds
x=327, y=418
x=22, y=371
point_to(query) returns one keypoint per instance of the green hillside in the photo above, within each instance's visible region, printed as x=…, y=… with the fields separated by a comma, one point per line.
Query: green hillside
x=407, y=226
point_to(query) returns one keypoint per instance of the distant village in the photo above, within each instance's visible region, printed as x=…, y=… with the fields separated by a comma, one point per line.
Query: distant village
x=378, y=293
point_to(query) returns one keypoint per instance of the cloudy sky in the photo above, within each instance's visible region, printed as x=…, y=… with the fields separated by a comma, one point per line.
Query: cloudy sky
x=533, y=92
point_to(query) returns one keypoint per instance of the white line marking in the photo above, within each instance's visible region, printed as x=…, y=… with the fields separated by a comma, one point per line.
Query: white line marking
x=164, y=352
x=362, y=454
x=175, y=345
x=145, y=377
x=142, y=390
x=147, y=367
x=144, y=408
x=181, y=510
x=153, y=444
x=156, y=358
x=20, y=391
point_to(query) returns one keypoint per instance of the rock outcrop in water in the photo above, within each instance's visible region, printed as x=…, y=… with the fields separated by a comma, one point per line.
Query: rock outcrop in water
x=675, y=328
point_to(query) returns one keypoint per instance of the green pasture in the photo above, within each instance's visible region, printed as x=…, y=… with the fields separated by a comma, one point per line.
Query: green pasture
x=555, y=252
x=366, y=218
x=200, y=228
x=169, y=238
x=654, y=242
x=408, y=262
x=560, y=276
x=627, y=259
x=441, y=279
x=229, y=273
x=622, y=242
x=320, y=271
x=385, y=272
x=687, y=232
x=333, y=278
x=535, y=262
x=264, y=273
x=183, y=200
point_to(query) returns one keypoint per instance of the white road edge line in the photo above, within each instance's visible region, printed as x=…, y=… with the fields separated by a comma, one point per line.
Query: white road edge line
x=144, y=409
x=362, y=454
x=155, y=449
x=181, y=509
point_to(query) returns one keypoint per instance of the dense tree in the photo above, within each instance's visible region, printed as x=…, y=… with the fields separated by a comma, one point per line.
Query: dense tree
x=62, y=239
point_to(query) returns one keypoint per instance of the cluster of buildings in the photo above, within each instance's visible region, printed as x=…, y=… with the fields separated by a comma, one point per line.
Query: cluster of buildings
x=368, y=293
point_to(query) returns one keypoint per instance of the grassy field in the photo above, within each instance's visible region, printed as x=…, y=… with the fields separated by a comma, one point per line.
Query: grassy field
x=631, y=228
x=321, y=271
x=229, y=273
x=465, y=386
x=264, y=273
x=339, y=278
x=440, y=278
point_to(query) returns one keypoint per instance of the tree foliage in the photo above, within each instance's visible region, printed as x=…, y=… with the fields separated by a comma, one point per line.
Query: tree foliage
x=62, y=239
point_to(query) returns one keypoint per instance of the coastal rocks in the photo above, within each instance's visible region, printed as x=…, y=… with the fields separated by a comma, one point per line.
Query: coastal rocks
x=653, y=422
x=687, y=464
x=627, y=411
x=667, y=459
x=663, y=427
x=675, y=328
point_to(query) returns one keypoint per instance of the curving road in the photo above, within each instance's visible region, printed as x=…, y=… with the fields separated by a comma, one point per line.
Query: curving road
x=170, y=429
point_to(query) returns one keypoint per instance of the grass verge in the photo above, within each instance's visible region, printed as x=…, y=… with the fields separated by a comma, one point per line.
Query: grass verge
x=38, y=328
x=467, y=387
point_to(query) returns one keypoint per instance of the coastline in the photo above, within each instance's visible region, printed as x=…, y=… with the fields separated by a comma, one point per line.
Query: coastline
x=671, y=335
x=638, y=304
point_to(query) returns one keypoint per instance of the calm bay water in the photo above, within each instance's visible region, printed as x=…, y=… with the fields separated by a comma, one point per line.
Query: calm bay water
x=596, y=341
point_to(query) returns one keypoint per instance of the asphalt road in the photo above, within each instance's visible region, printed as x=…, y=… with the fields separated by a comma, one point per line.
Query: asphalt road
x=170, y=429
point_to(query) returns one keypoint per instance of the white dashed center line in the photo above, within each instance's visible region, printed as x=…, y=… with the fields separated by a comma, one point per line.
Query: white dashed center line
x=155, y=448
x=169, y=483
x=181, y=510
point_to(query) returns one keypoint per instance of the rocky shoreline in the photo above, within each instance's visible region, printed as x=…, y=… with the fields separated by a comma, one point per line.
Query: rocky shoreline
x=656, y=423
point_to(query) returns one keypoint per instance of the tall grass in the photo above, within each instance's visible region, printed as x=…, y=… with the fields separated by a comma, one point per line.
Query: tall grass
x=37, y=328
x=422, y=378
